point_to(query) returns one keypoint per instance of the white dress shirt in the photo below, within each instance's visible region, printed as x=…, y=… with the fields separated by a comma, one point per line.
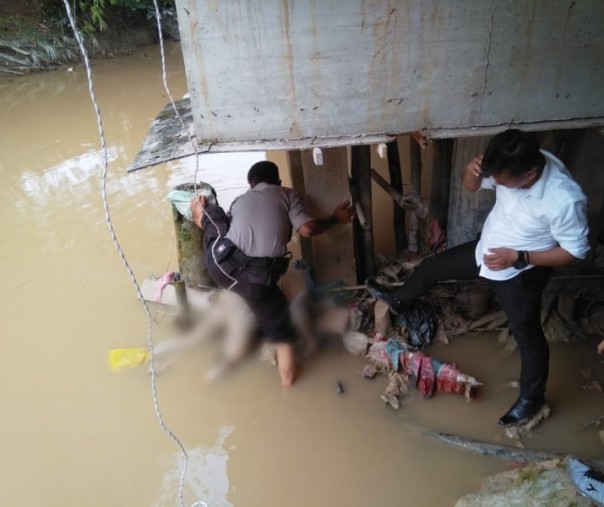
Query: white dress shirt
x=549, y=213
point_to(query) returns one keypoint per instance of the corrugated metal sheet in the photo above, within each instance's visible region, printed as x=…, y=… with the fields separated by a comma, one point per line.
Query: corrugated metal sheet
x=268, y=70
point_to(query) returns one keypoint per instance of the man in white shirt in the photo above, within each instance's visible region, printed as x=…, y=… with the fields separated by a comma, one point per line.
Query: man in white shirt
x=538, y=222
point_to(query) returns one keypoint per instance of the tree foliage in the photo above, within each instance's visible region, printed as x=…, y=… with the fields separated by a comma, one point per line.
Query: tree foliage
x=99, y=15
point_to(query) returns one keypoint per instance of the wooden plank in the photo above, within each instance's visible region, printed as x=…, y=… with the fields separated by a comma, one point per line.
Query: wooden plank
x=415, y=167
x=409, y=202
x=296, y=173
x=166, y=139
x=441, y=156
x=360, y=172
x=467, y=210
x=396, y=180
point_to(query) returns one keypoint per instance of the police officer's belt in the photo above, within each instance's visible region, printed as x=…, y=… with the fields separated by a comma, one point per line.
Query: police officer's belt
x=262, y=270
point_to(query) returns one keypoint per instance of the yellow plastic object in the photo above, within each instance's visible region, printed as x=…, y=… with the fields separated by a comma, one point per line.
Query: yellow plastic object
x=127, y=358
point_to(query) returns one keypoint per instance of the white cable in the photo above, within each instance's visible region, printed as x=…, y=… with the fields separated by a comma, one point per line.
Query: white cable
x=191, y=141
x=103, y=179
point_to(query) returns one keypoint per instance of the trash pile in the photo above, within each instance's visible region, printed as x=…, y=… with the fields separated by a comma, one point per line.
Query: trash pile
x=393, y=344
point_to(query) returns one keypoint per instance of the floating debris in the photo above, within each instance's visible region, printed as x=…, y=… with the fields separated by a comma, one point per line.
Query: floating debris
x=519, y=430
x=512, y=384
x=369, y=371
x=588, y=481
x=391, y=400
x=593, y=385
x=340, y=388
x=429, y=375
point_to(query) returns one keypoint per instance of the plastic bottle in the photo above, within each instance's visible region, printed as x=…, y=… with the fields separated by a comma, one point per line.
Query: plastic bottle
x=356, y=318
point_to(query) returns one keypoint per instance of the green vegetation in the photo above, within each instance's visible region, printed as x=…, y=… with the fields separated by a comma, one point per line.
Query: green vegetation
x=41, y=38
x=101, y=15
x=26, y=45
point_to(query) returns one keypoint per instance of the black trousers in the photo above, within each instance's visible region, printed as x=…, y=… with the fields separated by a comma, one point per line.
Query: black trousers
x=267, y=302
x=521, y=300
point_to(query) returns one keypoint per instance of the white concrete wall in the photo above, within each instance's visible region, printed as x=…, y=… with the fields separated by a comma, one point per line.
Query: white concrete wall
x=267, y=70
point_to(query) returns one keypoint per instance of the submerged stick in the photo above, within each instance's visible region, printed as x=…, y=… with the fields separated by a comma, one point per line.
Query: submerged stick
x=498, y=451
x=594, y=422
x=502, y=451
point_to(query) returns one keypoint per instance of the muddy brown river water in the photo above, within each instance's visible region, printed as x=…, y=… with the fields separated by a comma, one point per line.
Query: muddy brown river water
x=76, y=433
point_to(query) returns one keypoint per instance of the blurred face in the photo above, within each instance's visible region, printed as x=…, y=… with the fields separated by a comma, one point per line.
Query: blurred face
x=525, y=181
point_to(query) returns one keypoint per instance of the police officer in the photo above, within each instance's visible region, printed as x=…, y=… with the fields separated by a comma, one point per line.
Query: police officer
x=247, y=250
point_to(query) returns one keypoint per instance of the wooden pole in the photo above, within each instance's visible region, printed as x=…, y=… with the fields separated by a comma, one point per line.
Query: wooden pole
x=396, y=180
x=409, y=202
x=360, y=170
x=442, y=152
x=415, y=167
x=189, y=244
x=416, y=188
x=296, y=169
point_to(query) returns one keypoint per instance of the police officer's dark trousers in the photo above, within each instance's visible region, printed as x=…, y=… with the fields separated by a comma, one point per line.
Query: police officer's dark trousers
x=266, y=301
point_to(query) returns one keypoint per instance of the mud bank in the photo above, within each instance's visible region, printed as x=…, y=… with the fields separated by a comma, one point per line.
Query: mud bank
x=28, y=46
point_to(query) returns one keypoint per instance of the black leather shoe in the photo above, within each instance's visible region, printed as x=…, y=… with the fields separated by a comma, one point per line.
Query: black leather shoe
x=386, y=294
x=521, y=411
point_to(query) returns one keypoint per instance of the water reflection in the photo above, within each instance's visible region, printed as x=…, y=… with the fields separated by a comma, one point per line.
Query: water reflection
x=73, y=176
x=226, y=172
x=206, y=480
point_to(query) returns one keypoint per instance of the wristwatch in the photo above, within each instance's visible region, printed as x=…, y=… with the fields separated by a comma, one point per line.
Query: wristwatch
x=522, y=261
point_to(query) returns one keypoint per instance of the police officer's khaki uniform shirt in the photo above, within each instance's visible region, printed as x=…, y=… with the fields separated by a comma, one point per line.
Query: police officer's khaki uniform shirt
x=262, y=220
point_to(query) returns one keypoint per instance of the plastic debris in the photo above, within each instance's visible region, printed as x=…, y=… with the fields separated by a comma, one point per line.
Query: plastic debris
x=589, y=481
x=355, y=343
x=420, y=323
x=128, y=358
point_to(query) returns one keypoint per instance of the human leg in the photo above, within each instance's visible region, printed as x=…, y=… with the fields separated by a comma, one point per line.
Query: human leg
x=457, y=263
x=271, y=310
x=521, y=301
x=286, y=362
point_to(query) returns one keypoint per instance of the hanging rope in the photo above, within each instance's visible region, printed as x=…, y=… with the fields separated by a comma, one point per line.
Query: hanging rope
x=192, y=142
x=139, y=294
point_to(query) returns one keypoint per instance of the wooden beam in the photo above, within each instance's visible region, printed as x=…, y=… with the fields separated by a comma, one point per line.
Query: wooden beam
x=467, y=210
x=360, y=170
x=415, y=167
x=396, y=181
x=409, y=202
x=441, y=151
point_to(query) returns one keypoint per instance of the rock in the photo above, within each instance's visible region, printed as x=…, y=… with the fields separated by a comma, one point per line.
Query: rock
x=391, y=400
x=537, y=484
x=369, y=371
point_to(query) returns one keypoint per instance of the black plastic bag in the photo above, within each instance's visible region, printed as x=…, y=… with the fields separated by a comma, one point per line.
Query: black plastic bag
x=420, y=322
